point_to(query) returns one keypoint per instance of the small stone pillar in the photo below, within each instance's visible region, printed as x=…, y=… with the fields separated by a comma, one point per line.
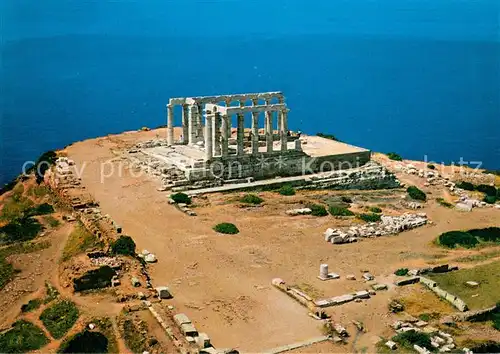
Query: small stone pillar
x=225, y=135
x=170, y=125
x=323, y=271
x=216, y=134
x=199, y=123
x=255, y=133
x=208, y=138
x=269, y=131
x=240, y=134
x=284, y=130
x=298, y=145
x=193, y=118
x=185, y=125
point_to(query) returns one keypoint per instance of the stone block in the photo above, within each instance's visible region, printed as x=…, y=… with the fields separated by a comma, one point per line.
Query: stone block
x=350, y=277
x=135, y=282
x=163, y=292
x=203, y=341
x=391, y=345
x=472, y=284
x=407, y=281
x=363, y=294
x=368, y=276
x=379, y=287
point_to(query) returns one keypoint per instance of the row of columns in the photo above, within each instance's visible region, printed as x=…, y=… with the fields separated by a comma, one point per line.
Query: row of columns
x=218, y=133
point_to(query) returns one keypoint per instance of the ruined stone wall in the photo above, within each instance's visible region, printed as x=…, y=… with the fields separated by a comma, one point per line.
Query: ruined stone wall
x=269, y=165
x=452, y=299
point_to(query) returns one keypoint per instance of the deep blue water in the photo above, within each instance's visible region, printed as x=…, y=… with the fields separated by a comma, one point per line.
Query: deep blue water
x=423, y=84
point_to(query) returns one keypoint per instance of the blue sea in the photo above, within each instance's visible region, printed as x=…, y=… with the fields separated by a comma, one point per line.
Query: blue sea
x=418, y=77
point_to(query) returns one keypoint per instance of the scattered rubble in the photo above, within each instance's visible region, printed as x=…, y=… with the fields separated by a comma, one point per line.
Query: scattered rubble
x=301, y=211
x=388, y=225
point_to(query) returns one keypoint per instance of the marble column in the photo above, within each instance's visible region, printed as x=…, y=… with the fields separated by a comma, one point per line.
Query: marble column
x=266, y=114
x=193, y=118
x=255, y=133
x=241, y=134
x=185, y=125
x=269, y=131
x=225, y=135
x=208, y=137
x=170, y=124
x=199, y=123
x=284, y=130
x=216, y=134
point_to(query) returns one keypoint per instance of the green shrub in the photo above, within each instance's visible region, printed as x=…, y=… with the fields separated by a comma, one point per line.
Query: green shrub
x=59, y=318
x=51, y=221
x=85, y=342
x=394, y=156
x=317, y=210
x=43, y=163
x=416, y=193
x=123, y=245
x=22, y=229
x=408, y=339
x=251, y=199
x=226, y=228
x=31, y=305
x=444, y=203
x=41, y=209
x=340, y=211
x=369, y=217
x=346, y=199
x=24, y=336
x=181, y=198
x=431, y=166
x=465, y=185
x=401, y=272
x=498, y=193
x=487, y=234
x=488, y=190
x=490, y=199
x=453, y=238
x=496, y=321
x=375, y=210
x=286, y=190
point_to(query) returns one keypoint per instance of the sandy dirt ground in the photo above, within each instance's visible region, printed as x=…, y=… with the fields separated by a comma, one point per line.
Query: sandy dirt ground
x=223, y=283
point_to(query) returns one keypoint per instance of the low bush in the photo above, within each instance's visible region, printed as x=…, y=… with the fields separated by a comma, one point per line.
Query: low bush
x=410, y=338
x=394, y=156
x=487, y=234
x=416, y=193
x=85, y=342
x=251, y=199
x=488, y=190
x=490, y=199
x=346, y=199
x=452, y=239
x=41, y=209
x=375, y=210
x=444, y=203
x=431, y=166
x=340, y=211
x=369, y=217
x=59, y=318
x=401, y=272
x=226, y=228
x=24, y=336
x=287, y=190
x=493, y=172
x=181, y=198
x=317, y=210
x=465, y=185
x=31, y=305
x=496, y=321
x=22, y=229
x=51, y=221
x=43, y=163
x=123, y=245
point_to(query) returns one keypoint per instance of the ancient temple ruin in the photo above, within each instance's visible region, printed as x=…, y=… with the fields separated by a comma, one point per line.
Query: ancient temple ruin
x=238, y=138
x=205, y=120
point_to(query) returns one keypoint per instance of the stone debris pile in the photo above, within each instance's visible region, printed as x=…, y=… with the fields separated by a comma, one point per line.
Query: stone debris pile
x=440, y=341
x=301, y=211
x=112, y=262
x=389, y=225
